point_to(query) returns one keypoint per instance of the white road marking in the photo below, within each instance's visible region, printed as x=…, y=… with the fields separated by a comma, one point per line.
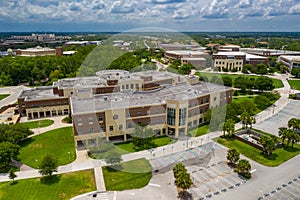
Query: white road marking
x=155, y=185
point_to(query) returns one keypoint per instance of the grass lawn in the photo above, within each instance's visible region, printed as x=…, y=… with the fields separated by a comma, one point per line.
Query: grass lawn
x=3, y=96
x=124, y=180
x=39, y=123
x=159, y=141
x=57, y=142
x=277, y=83
x=202, y=130
x=295, y=84
x=278, y=157
x=63, y=186
x=240, y=99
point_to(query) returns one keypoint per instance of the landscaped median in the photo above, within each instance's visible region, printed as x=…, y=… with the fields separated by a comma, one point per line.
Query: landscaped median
x=39, y=123
x=279, y=156
x=58, y=142
x=128, y=175
x=63, y=186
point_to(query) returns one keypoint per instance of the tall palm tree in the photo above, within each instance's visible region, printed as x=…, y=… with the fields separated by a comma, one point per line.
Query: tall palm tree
x=252, y=121
x=245, y=116
x=292, y=123
x=283, y=133
x=243, y=167
x=289, y=136
x=268, y=144
x=295, y=138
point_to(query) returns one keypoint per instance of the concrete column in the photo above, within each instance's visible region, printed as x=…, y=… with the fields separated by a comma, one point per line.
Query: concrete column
x=161, y=132
x=38, y=114
x=125, y=137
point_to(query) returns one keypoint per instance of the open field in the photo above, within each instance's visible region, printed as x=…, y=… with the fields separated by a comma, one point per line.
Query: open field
x=124, y=180
x=58, y=142
x=63, y=186
x=295, y=84
x=39, y=123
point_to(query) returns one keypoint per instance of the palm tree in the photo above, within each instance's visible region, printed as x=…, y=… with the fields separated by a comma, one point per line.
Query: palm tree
x=245, y=119
x=293, y=123
x=178, y=168
x=230, y=127
x=183, y=181
x=283, y=132
x=268, y=144
x=252, y=121
x=295, y=138
x=233, y=156
x=289, y=136
x=243, y=168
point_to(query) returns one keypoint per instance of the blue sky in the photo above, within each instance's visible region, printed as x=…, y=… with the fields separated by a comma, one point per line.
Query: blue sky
x=180, y=15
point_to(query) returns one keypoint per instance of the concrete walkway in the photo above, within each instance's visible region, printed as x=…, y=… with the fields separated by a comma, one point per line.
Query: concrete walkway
x=99, y=179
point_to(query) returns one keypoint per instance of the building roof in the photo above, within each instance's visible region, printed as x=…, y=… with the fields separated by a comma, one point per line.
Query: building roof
x=37, y=49
x=251, y=56
x=38, y=93
x=154, y=97
x=185, y=53
x=231, y=53
x=291, y=58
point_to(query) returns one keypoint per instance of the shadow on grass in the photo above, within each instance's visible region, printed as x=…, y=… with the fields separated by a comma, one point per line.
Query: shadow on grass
x=26, y=142
x=14, y=183
x=50, y=180
x=291, y=149
x=114, y=168
x=273, y=156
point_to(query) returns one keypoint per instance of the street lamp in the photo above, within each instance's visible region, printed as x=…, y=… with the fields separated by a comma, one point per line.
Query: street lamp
x=172, y=148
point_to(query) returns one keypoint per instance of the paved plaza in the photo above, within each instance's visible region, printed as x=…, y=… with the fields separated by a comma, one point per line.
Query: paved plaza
x=213, y=180
x=280, y=119
x=287, y=191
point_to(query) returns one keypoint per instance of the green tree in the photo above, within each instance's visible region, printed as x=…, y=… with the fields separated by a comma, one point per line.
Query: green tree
x=143, y=138
x=243, y=168
x=296, y=72
x=12, y=175
x=264, y=83
x=283, y=133
x=182, y=178
x=233, y=156
x=261, y=102
x=294, y=123
x=245, y=118
x=48, y=165
x=8, y=152
x=261, y=68
x=268, y=144
x=227, y=81
x=295, y=137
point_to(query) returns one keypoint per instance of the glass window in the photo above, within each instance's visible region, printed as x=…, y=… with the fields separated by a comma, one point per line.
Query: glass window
x=91, y=120
x=171, y=114
x=129, y=125
x=120, y=127
x=139, y=113
x=182, y=116
x=58, y=103
x=52, y=104
x=100, y=118
x=101, y=129
x=111, y=128
x=91, y=130
x=79, y=121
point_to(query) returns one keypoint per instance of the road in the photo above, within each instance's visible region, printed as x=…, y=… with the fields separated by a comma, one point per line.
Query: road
x=14, y=93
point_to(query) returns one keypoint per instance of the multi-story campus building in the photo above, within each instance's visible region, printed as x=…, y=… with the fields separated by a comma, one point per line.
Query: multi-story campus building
x=112, y=103
x=290, y=61
x=236, y=60
x=196, y=58
x=39, y=51
x=169, y=110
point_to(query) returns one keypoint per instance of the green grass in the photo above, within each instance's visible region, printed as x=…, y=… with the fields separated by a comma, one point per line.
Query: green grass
x=39, y=123
x=295, y=84
x=278, y=157
x=277, y=83
x=128, y=147
x=57, y=142
x=202, y=130
x=64, y=186
x=124, y=180
x=241, y=99
x=3, y=96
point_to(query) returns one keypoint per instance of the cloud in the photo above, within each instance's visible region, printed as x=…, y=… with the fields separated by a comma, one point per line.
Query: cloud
x=144, y=12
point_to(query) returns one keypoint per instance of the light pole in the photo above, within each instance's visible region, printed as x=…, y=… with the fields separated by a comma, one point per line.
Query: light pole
x=172, y=148
x=201, y=140
x=183, y=146
x=69, y=154
x=187, y=141
x=163, y=151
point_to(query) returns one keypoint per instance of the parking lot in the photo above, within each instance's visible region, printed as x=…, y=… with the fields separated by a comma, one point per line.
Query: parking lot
x=213, y=180
x=286, y=191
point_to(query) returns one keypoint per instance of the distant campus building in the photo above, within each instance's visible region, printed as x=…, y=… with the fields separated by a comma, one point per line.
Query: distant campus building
x=112, y=103
x=290, y=61
x=39, y=51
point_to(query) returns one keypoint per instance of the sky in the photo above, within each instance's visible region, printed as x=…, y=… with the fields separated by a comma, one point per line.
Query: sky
x=122, y=15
